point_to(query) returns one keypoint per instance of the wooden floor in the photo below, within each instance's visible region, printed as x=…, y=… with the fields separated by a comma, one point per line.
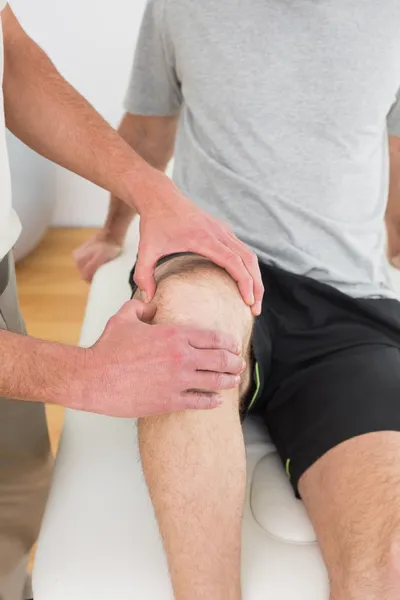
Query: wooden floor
x=53, y=298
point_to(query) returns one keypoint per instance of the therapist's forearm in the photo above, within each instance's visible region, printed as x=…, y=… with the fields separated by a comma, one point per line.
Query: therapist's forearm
x=51, y=117
x=35, y=370
x=153, y=139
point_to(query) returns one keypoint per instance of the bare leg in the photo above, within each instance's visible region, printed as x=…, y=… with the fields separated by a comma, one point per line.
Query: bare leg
x=194, y=462
x=353, y=497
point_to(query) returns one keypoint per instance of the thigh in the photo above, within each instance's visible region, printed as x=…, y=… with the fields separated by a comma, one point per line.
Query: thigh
x=352, y=497
x=338, y=433
x=347, y=394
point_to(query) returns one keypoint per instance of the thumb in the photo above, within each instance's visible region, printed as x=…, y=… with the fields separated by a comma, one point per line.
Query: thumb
x=136, y=310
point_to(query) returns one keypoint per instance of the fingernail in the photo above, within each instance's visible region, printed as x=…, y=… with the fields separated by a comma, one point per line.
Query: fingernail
x=257, y=308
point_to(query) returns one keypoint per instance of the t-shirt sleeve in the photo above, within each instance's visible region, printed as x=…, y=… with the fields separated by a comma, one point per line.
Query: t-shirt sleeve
x=393, y=120
x=154, y=88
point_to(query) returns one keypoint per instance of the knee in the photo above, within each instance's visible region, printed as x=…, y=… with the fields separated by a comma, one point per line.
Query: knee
x=200, y=294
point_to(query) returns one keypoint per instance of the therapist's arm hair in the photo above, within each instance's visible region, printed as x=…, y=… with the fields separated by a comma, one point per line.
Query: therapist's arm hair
x=40, y=371
x=50, y=116
x=393, y=206
x=153, y=138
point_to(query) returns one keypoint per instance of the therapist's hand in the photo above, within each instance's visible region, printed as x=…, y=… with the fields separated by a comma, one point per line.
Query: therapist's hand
x=137, y=369
x=171, y=223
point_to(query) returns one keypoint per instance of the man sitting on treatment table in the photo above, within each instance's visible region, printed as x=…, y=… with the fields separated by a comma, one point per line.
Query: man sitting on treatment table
x=277, y=113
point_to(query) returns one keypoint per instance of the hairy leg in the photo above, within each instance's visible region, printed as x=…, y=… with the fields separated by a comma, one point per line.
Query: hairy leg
x=194, y=462
x=352, y=495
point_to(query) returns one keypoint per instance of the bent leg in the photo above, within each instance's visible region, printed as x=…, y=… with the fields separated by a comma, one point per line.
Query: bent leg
x=194, y=462
x=352, y=492
x=352, y=495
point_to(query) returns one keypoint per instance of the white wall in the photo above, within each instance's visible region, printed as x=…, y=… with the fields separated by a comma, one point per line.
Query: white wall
x=91, y=42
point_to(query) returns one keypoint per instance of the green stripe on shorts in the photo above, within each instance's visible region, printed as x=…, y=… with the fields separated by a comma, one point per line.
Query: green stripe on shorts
x=258, y=385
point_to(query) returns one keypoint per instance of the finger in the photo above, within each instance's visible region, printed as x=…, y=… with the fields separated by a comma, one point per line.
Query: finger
x=83, y=267
x=93, y=262
x=231, y=261
x=144, y=273
x=250, y=261
x=202, y=338
x=90, y=268
x=219, y=361
x=79, y=257
x=198, y=401
x=100, y=258
x=208, y=381
x=78, y=253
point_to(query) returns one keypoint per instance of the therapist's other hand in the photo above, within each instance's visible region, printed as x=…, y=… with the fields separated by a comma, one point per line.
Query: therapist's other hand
x=101, y=248
x=137, y=369
x=171, y=223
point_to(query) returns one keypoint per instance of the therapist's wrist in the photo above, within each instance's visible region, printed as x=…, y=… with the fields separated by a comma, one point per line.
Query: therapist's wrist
x=57, y=379
x=148, y=190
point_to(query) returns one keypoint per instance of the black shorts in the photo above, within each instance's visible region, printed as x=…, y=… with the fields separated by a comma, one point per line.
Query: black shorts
x=327, y=367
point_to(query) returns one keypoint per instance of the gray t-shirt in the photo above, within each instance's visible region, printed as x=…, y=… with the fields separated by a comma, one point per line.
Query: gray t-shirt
x=283, y=123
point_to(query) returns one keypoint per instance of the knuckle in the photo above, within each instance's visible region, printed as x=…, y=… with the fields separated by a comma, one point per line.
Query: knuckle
x=235, y=261
x=193, y=400
x=217, y=339
x=113, y=322
x=180, y=359
x=203, y=238
x=253, y=259
x=260, y=287
x=224, y=360
x=218, y=380
x=139, y=277
x=125, y=309
x=200, y=400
